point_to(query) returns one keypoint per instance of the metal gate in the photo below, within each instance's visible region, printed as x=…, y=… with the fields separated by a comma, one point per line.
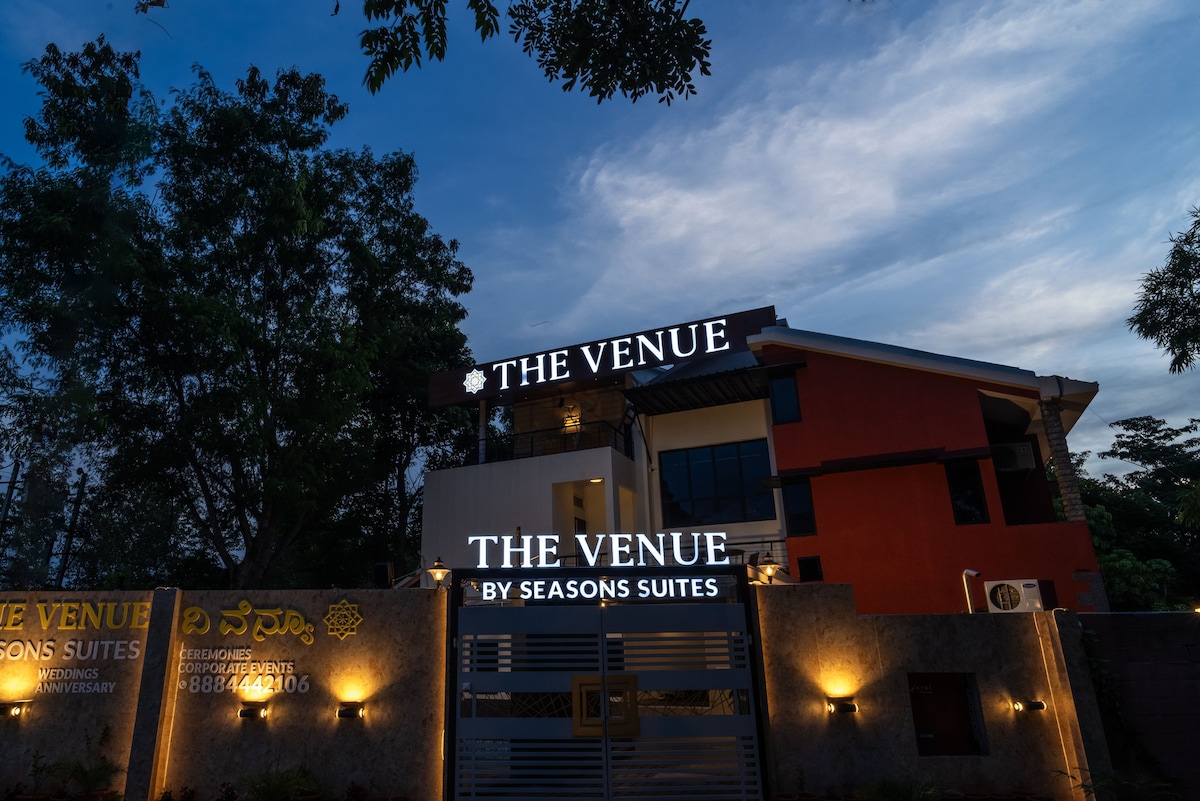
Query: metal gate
x=604, y=701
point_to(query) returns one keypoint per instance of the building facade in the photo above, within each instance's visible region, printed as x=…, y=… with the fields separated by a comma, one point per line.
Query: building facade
x=919, y=479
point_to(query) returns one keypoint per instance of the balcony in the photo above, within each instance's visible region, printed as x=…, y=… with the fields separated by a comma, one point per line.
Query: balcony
x=581, y=437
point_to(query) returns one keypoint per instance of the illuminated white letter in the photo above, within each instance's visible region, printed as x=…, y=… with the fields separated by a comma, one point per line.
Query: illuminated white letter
x=713, y=333
x=715, y=547
x=677, y=543
x=590, y=556
x=558, y=366
x=644, y=344
x=526, y=369
x=525, y=550
x=659, y=554
x=483, y=543
x=675, y=342
x=593, y=363
x=620, y=549
x=503, y=368
x=548, y=550
x=621, y=358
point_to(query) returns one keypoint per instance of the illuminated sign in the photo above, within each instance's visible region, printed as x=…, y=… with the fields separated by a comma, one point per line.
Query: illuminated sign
x=626, y=550
x=675, y=549
x=662, y=346
x=601, y=589
x=79, y=644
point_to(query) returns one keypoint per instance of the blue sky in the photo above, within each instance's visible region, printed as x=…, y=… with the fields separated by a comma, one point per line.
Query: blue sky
x=981, y=179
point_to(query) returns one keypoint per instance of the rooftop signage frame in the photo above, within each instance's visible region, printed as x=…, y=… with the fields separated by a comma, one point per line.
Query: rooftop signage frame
x=546, y=372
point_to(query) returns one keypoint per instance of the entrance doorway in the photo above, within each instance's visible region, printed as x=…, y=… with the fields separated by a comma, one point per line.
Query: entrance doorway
x=630, y=699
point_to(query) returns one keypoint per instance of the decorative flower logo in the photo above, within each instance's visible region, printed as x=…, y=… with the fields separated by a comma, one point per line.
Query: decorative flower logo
x=343, y=619
x=474, y=381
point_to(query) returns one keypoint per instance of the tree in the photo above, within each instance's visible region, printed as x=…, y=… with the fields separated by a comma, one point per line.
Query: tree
x=634, y=47
x=250, y=334
x=1168, y=306
x=1149, y=552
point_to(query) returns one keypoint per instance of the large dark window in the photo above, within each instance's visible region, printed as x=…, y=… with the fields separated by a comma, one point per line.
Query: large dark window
x=716, y=484
x=785, y=398
x=966, y=492
x=946, y=714
x=798, y=511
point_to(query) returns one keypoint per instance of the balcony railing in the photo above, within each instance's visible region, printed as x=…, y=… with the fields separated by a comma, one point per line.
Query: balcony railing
x=582, y=437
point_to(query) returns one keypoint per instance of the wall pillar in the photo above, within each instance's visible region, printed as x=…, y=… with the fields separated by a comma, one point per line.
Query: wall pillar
x=156, y=700
x=1068, y=480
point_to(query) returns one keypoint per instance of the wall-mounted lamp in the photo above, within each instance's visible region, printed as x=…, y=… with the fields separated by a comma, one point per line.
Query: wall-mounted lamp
x=769, y=566
x=1025, y=706
x=842, y=706
x=15, y=709
x=253, y=710
x=351, y=709
x=595, y=481
x=439, y=571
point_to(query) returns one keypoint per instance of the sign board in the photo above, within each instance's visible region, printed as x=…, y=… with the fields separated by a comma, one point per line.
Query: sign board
x=535, y=372
x=536, y=553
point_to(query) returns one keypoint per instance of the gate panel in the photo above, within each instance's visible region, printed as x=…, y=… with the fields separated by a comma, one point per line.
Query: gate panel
x=698, y=737
x=629, y=702
x=514, y=735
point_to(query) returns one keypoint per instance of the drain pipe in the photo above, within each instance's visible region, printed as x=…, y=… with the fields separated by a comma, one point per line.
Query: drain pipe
x=967, y=576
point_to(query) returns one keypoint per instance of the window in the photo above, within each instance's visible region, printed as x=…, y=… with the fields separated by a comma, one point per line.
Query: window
x=808, y=568
x=785, y=398
x=946, y=714
x=799, y=517
x=966, y=492
x=716, y=484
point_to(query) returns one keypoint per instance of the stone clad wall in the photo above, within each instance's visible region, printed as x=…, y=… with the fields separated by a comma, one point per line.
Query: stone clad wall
x=160, y=677
x=77, y=660
x=815, y=646
x=201, y=655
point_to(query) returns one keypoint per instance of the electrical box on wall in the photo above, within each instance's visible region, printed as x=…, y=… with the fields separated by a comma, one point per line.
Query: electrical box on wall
x=1019, y=595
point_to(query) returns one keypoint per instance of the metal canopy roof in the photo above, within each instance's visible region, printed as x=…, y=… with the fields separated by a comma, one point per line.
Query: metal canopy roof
x=714, y=381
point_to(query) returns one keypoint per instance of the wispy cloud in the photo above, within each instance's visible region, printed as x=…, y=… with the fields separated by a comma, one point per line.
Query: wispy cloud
x=782, y=186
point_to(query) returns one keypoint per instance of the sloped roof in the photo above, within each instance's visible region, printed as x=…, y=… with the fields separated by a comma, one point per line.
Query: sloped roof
x=1074, y=395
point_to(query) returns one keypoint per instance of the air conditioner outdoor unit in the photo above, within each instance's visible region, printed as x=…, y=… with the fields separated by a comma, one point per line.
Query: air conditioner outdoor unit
x=1016, y=595
x=1011, y=456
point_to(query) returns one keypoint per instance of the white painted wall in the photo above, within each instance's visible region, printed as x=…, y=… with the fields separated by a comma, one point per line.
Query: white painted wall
x=496, y=498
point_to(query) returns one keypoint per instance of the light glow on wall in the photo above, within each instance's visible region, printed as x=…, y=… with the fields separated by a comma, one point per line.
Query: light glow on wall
x=838, y=685
x=18, y=680
x=354, y=688
x=255, y=696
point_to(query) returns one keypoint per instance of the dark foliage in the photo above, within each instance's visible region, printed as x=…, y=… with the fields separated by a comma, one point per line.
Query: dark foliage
x=603, y=47
x=1168, y=306
x=1149, y=556
x=240, y=349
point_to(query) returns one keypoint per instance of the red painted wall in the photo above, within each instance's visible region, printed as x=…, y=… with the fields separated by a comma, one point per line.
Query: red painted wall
x=890, y=531
x=853, y=408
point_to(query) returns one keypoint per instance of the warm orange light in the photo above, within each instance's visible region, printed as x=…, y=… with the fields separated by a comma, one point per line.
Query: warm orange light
x=838, y=686
x=19, y=679
x=770, y=567
x=439, y=571
x=254, y=695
